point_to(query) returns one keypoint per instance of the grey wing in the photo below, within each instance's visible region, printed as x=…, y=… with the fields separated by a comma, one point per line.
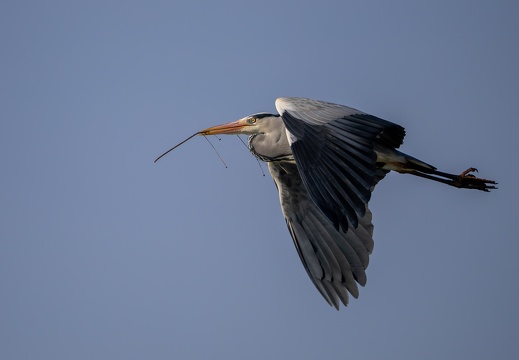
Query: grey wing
x=333, y=148
x=334, y=260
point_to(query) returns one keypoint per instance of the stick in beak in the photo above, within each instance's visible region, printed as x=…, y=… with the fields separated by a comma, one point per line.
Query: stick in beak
x=234, y=127
x=176, y=146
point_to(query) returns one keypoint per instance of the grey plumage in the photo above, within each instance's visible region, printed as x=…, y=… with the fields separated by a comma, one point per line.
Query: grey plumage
x=324, y=189
x=325, y=160
x=333, y=259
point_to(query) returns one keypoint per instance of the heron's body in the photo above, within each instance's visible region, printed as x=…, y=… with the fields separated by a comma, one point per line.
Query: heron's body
x=325, y=160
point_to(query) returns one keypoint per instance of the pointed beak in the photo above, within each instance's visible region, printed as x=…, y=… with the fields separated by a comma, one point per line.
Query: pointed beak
x=242, y=126
x=235, y=127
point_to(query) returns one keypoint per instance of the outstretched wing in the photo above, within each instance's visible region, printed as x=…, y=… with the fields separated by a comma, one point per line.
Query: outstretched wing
x=335, y=260
x=333, y=148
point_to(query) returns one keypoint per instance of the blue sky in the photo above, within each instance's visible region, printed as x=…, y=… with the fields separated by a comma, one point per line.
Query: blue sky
x=105, y=255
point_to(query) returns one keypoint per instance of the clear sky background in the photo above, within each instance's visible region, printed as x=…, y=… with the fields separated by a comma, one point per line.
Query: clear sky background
x=105, y=255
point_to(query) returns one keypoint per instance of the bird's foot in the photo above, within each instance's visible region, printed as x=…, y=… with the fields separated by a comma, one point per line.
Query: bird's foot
x=467, y=180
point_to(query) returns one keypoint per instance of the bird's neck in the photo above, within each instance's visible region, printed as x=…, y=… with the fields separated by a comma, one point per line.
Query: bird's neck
x=271, y=146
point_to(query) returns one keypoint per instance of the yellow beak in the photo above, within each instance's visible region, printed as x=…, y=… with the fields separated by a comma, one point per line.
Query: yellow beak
x=235, y=127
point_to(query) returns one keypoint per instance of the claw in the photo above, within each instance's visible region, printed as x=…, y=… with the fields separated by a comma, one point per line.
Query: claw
x=469, y=170
x=464, y=180
x=469, y=181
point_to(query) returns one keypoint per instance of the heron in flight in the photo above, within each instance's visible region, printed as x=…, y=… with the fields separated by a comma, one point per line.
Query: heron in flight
x=325, y=160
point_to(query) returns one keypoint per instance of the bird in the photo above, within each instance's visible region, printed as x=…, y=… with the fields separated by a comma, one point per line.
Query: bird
x=325, y=160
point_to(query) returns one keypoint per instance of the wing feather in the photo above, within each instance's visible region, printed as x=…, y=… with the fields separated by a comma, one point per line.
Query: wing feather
x=334, y=260
x=333, y=148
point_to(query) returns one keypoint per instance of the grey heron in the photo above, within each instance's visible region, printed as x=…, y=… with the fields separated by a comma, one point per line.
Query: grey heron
x=325, y=160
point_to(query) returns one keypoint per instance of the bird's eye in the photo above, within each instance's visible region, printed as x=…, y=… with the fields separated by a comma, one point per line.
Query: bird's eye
x=252, y=120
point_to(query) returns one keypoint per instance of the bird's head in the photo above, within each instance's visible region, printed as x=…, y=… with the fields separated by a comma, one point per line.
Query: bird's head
x=249, y=125
x=259, y=126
